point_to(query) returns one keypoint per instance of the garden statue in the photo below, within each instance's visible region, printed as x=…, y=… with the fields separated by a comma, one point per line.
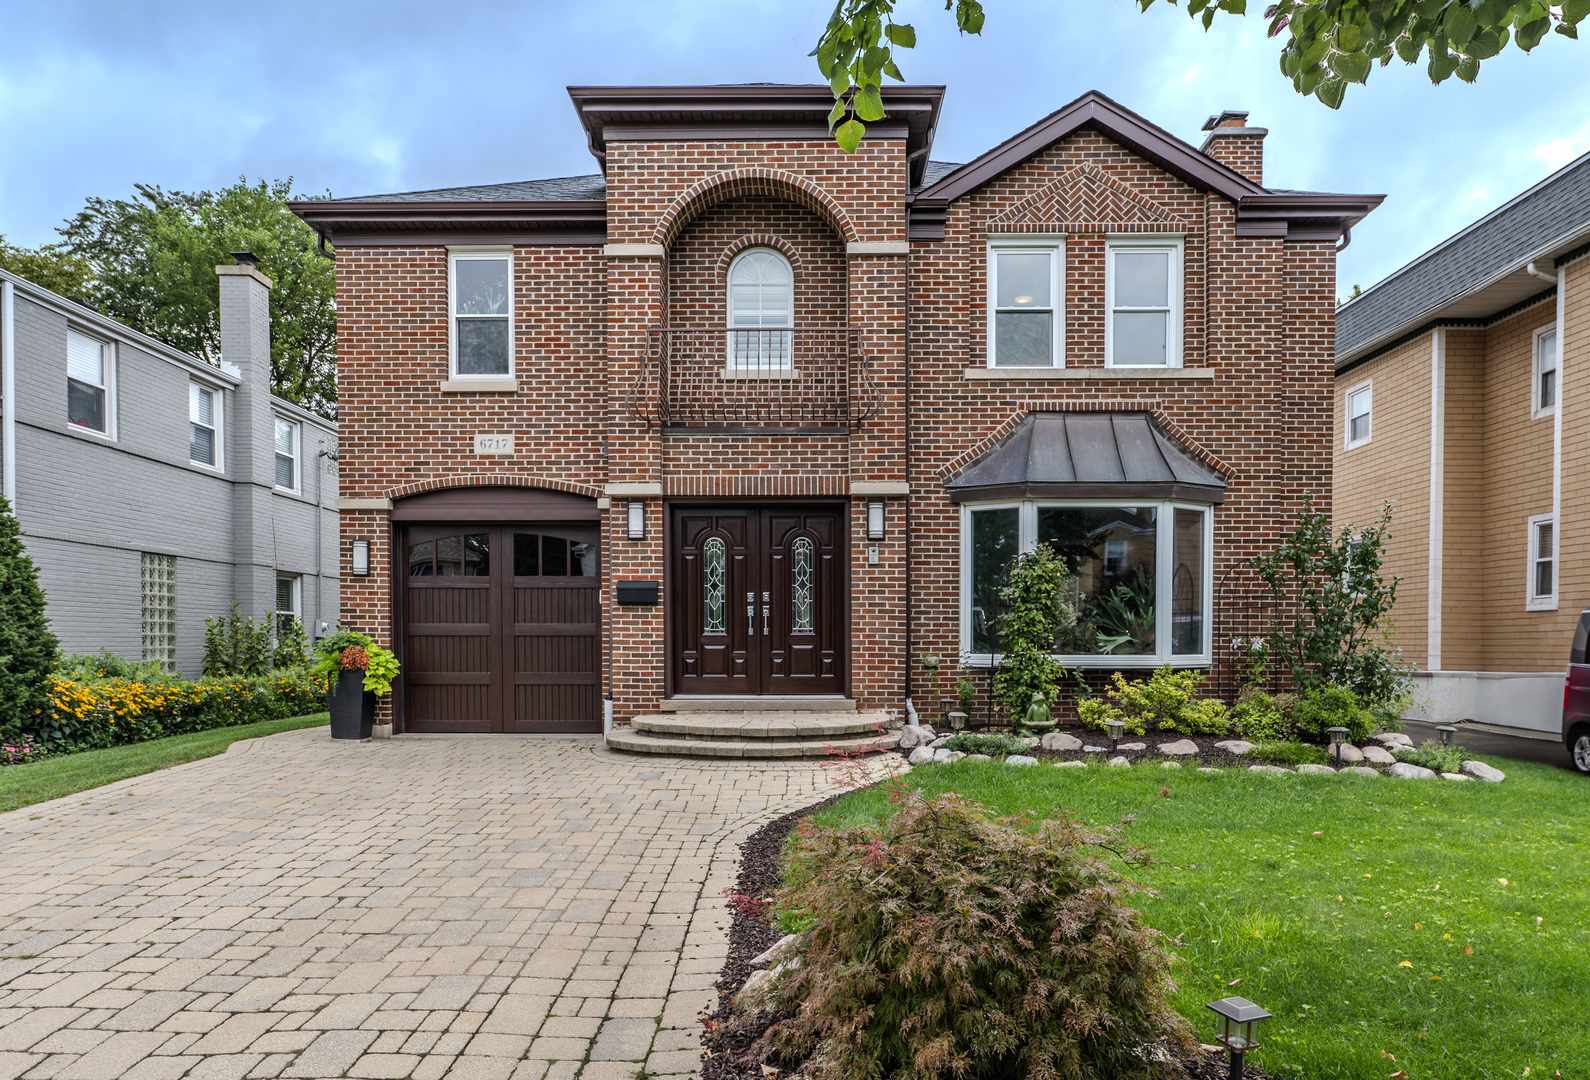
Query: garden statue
x=1037, y=719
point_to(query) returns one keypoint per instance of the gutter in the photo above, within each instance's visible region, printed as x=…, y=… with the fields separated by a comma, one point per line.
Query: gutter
x=8, y=393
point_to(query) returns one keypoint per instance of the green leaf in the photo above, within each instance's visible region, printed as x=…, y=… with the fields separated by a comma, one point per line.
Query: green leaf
x=1409, y=49
x=1315, y=54
x=1529, y=34
x=1195, y=6
x=1460, y=24
x=1468, y=69
x=872, y=62
x=1568, y=31
x=838, y=111
x=1331, y=92
x=893, y=72
x=868, y=103
x=840, y=83
x=902, y=34
x=1349, y=37
x=1234, y=7
x=849, y=134
x=1574, y=11
x=1354, y=67
x=826, y=51
x=1486, y=44
x=1442, y=63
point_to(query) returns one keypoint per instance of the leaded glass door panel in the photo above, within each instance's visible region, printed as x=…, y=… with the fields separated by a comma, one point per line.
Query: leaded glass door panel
x=715, y=602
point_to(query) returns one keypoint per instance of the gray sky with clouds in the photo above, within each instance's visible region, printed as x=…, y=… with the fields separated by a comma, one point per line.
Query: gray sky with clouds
x=360, y=97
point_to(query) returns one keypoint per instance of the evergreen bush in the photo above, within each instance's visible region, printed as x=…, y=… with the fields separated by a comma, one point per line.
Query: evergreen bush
x=1036, y=612
x=1333, y=706
x=1262, y=716
x=28, y=650
x=1165, y=700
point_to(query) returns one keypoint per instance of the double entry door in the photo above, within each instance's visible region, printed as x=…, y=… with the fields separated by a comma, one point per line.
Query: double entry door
x=758, y=599
x=501, y=628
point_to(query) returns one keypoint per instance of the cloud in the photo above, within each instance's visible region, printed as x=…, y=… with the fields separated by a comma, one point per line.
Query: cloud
x=1555, y=153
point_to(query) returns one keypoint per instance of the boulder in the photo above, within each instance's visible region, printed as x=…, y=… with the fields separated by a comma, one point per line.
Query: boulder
x=1360, y=770
x=1020, y=759
x=1059, y=740
x=1070, y=764
x=1378, y=755
x=938, y=743
x=941, y=755
x=1351, y=755
x=1316, y=770
x=1095, y=750
x=1179, y=748
x=1120, y=763
x=1239, y=747
x=1132, y=746
x=1481, y=771
x=1389, y=739
x=753, y=995
x=979, y=757
x=1170, y=764
x=913, y=737
x=776, y=953
x=921, y=755
x=1275, y=769
x=1455, y=776
x=1406, y=770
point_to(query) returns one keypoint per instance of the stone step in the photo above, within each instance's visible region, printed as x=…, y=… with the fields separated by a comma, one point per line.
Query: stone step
x=760, y=725
x=770, y=703
x=645, y=742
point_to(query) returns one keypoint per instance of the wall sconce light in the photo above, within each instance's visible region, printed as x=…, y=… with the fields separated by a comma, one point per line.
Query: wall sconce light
x=361, y=558
x=637, y=520
x=1238, y=1018
x=875, y=521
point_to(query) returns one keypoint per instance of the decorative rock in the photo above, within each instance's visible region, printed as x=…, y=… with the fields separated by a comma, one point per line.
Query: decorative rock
x=1133, y=746
x=1316, y=770
x=1361, y=770
x=1481, y=771
x=1455, y=776
x=1020, y=759
x=755, y=990
x=913, y=737
x=1059, y=740
x=930, y=731
x=979, y=757
x=1170, y=764
x=938, y=743
x=1405, y=770
x=1094, y=750
x=1239, y=747
x=1388, y=739
x=921, y=755
x=1179, y=748
x=1376, y=755
x=1351, y=755
x=1070, y=764
x=1120, y=763
x=776, y=951
x=1270, y=769
x=942, y=755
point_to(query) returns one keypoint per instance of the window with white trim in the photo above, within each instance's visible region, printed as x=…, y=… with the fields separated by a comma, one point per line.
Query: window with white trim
x=89, y=367
x=1140, y=577
x=1026, y=309
x=761, y=311
x=289, y=602
x=1142, y=292
x=287, y=444
x=1545, y=382
x=1360, y=405
x=481, y=301
x=1542, y=593
x=159, y=588
x=204, y=425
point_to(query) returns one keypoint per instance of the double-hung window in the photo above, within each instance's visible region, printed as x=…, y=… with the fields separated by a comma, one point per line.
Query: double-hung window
x=1142, y=292
x=761, y=312
x=287, y=443
x=204, y=425
x=289, y=597
x=1140, y=577
x=89, y=365
x=1026, y=317
x=1542, y=593
x=1545, y=394
x=481, y=301
x=1360, y=407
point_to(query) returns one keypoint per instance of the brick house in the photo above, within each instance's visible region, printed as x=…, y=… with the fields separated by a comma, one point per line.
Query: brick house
x=758, y=420
x=1457, y=399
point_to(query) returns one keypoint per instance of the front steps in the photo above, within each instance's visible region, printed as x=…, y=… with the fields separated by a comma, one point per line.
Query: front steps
x=737, y=728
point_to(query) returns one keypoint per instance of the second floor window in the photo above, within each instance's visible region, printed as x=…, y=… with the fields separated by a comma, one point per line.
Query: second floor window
x=203, y=424
x=1024, y=323
x=286, y=454
x=761, y=310
x=1360, y=404
x=482, y=313
x=87, y=382
x=1143, y=287
x=1545, y=370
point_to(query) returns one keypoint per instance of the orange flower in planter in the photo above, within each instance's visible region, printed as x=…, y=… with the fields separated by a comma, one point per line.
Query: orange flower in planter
x=354, y=658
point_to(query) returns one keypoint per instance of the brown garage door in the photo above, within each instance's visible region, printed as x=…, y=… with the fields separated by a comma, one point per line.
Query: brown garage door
x=501, y=628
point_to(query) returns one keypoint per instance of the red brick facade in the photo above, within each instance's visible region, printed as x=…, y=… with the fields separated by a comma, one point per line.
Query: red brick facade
x=1252, y=397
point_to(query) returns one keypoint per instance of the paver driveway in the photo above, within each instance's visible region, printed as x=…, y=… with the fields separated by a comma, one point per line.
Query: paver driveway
x=482, y=907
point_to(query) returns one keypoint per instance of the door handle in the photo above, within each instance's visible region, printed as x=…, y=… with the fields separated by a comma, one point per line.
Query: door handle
x=750, y=614
x=765, y=630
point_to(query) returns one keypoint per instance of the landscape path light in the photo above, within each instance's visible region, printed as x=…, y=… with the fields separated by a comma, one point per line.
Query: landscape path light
x=1238, y=1018
x=1338, y=736
x=1116, y=727
x=1446, y=731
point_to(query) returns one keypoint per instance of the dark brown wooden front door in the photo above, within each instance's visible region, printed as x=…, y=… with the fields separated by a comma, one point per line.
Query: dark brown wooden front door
x=758, y=600
x=501, y=628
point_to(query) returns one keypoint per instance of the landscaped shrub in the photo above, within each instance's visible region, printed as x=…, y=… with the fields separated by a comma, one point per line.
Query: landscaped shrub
x=91, y=667
x=23, y=751
x=1036, y=612
x=1290, y=752
x=994, y=744
x=950, y=942
x=1432, y=755
x=28, y=650
x=1165, y=700
x=1332, y=706
x=236, y=645
x=1261, y=716
x=349, y=650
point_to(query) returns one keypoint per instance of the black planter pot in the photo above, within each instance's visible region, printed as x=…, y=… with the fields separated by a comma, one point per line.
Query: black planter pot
x=352, y=709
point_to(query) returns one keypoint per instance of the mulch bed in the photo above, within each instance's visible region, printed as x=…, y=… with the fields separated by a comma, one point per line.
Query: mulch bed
x=728, y=1044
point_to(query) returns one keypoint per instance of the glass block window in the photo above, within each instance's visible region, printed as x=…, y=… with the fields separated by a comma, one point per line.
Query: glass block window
x=160, y=609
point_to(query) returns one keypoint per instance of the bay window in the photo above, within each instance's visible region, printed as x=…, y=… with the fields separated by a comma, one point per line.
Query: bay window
x=1140, y=577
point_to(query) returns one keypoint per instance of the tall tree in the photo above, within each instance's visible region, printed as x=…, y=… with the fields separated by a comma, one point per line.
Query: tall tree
x=153, y=259
x=49, y=265
x=1329, y=43
x=28, y=650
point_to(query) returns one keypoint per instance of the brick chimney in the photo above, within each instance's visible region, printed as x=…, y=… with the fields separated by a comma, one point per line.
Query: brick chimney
x=1236, y=145
x=250, y=433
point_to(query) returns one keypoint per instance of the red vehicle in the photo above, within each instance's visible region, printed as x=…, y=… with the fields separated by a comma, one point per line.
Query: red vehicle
x=1576, y=699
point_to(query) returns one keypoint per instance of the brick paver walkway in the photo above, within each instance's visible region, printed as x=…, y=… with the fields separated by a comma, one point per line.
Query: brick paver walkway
x=481, y=907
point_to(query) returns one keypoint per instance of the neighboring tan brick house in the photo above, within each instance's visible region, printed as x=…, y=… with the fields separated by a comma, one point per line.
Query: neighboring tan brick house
x=819, y=400
x=1457, y=400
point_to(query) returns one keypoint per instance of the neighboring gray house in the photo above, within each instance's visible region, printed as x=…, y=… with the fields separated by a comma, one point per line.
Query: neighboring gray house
x=154, y=489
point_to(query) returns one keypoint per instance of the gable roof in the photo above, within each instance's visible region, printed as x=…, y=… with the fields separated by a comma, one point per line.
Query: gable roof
x=557, y=189
x=1478, y=272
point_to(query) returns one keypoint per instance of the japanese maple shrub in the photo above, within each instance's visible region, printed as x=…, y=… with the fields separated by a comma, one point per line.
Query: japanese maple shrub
x=951, y=942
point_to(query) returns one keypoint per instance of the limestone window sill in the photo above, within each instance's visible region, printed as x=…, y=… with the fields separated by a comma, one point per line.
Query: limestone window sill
x=1088, y=373
x=760, y=373
x=485, y=384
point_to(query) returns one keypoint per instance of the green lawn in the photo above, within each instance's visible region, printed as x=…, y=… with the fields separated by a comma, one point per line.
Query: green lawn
x=24, y=785
x=1311, y=895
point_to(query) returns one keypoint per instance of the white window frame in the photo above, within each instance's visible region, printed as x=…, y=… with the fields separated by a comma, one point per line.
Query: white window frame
x=218, y=414
x=1164, y=573
x=454, y=256
x=298, y=455
x=1365, y=387
x=1175, y=245
x=107, y=352
x=1027, y=243
x=297, y=611
x=1548, y=602
x=1536, y=408
x=780, y=366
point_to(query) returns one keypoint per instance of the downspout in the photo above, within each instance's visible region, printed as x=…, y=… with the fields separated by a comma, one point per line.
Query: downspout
x=320, y=247
x=320, y=529
x=8, y=393
x=1437, y=557
x=910, y=706
x=1559, y=279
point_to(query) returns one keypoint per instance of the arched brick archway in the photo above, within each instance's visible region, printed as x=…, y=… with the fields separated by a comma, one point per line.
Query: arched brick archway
x=738, y=182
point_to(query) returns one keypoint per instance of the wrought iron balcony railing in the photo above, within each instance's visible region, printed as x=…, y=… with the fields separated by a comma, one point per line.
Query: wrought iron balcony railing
x=777, y=380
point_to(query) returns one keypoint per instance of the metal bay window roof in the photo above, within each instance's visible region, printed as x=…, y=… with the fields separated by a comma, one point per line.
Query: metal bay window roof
x=1109, y=455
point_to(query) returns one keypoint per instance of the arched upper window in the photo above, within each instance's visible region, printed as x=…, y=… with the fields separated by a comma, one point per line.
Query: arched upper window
x=761, y=310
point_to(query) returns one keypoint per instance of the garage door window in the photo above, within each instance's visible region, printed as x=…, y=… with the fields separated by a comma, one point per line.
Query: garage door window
x=544, y=555
x=468, y=555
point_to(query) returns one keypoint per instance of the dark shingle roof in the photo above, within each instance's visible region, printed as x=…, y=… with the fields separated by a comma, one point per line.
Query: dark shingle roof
x=560, y=189
x=935, y=171
x=1540, y=220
